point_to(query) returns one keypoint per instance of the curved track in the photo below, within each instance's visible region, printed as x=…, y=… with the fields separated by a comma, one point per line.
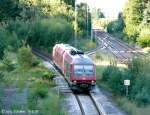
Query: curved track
x=85, y=102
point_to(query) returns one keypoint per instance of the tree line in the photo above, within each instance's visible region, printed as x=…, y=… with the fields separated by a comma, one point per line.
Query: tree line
x=40, y=23
x=133, y=24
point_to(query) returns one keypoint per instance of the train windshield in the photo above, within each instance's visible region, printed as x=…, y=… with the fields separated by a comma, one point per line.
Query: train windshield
x=83, y=70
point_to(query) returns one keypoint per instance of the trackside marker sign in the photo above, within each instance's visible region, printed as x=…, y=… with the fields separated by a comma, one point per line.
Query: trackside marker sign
x=127, y=82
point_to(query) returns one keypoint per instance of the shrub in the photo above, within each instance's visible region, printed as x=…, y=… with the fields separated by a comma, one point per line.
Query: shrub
x=139, y=69
x=48, y=75
x=44, y=73
x=90, y=45
x=1, y=76
x=36, y=90
x=115, y=26
x=114, y=78
x=144, y=38
x=115, y=81
x=21, y=28
x=107, y=72
x=142, y=97
x=39, y=89
x=8, y=40
x=26, y=59
x=3, y=43
x=8, y=61
x=45, y=33
x=50, y=105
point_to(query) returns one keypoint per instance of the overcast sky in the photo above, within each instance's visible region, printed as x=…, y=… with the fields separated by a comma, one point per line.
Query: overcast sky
x=111, y=8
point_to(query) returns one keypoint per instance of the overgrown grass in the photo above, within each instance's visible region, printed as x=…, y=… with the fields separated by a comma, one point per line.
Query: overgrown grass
x=50, y=105
x=84, y=44
x=33, y=76
x=131, y=108
x=103, y=58
x=111, y=78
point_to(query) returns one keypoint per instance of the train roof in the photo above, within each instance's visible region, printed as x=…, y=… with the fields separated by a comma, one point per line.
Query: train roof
x=81, y=59
x=78, y=57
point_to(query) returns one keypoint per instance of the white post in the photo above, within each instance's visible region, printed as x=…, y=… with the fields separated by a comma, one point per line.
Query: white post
x=127, y=83
x=126, y=90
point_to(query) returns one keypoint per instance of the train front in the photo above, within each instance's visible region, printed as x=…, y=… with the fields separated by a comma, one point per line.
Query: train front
x=83, y=73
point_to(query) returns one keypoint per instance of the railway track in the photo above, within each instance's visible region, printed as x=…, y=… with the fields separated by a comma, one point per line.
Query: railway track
x=122, y=51
x=85, y=102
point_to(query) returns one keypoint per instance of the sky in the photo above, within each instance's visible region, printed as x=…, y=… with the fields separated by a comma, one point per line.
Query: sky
x=110, y=8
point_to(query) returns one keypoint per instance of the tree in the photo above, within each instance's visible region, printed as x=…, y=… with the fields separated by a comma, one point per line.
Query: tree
x=146, y=14
x=133, y=11
x=96, y=13
x=70, y=2
x=100, y=13
x=84, y=19
x=9, y=9
x=133, y=16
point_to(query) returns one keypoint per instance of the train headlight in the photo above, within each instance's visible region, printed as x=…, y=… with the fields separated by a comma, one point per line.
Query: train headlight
x=74, y=81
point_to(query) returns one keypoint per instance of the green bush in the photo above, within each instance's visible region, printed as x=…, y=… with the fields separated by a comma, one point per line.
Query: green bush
x=3, y=42
x=139, y=70
x=8, y=40
x=26, y=59
x=44, y=73
x=48, y=75
x=36, y=90
x=135, y=66
x=115, y=26
x=115, y=81
x=8, y=61
x=50, y=105
x=108, y=72
x=114, y=78
x=144, y=38
x=142, y=97
x=45, y=33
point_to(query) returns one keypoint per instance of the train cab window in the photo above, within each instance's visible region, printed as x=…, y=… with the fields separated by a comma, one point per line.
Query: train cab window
x=83, y=70
x=78, y=70
x=89, y=70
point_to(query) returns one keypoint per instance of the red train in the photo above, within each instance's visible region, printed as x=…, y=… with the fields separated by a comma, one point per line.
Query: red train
x=77, y=67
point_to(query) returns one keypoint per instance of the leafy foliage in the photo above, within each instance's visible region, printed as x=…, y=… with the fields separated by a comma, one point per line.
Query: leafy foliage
x=136, y=13
x=45, y=34
x=26, y=59
x=138, y=73
x=9, y=9
x=133, y=24
x=8, y=40
x=96, y=13
x=83, y=19
x=116, y=26
x=144, y=37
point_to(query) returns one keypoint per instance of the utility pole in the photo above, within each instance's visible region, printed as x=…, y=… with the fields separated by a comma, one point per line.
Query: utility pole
x=87, y=20
x=75, y=36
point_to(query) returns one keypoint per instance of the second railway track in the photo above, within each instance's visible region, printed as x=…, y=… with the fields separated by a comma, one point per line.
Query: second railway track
x=122, y=51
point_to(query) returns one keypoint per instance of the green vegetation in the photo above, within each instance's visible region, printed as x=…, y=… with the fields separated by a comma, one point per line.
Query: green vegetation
x=96, y=13
x=131, y=108
x=84, y=44
x=134, y=23
x=83, y=20
x=21, y=72
x=39, y=24
x=112, y=78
